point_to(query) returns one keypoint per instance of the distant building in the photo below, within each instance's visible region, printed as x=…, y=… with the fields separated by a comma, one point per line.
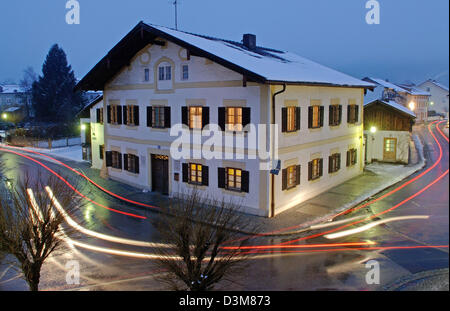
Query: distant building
x=15, y=103
x=406, y=95
x=439, y=100
x=387, y=131
x=92, y=141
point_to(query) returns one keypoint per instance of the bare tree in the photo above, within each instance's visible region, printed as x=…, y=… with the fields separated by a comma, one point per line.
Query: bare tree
x=200, y=231
x=30, y=227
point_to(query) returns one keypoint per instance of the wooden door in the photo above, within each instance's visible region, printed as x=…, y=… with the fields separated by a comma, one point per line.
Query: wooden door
x=160, y=173
x=390, y=149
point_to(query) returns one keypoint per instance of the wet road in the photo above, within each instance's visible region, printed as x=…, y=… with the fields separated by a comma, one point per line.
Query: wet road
x=404, y=249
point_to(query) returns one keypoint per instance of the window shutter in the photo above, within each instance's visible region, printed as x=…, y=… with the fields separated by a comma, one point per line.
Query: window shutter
x=245, y=116
x=125, y=162
x=125, y=112
x=348, y=114
x=330, y=166
x=338, y=161
x=321, y=167
x=356, y=114
x=310, y=116
x=298, y=172
x=222, y=118
x=136, y=115
x=297, y=118
x=149, y=116
x=245, y=181
x=284, y=179
x=205, y=175
x=108, y=114
x=98, y=115
x=120, y=161
x=348, y=158
x=184, y=116
x=340, y=114
x=330, y=115
x=136, y=164
x=119, y=114
x=356, y=156
x=108, y=155
x=309, y=170
x=221, y=177
x=321, y=115
x=185, y=172
x=205, y=116
x=167, y=120
x=284, y=120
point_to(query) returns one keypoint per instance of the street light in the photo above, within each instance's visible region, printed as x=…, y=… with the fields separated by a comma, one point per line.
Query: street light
x=373, y=129
x=4, y=116
x=83, y=127
x=412, y=105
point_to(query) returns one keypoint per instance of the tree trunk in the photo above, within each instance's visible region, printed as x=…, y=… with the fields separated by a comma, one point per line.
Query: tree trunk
x=33, y=276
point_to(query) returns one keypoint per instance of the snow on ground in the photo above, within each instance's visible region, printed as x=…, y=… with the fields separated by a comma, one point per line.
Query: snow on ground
x=73, y=153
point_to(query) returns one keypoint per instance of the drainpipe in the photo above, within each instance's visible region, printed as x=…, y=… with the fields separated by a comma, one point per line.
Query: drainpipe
x=272, y=201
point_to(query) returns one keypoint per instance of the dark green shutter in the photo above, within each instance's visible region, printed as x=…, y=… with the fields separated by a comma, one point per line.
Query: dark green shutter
x=136, y=164
x=330, y=164
x=185, y=172
x=205, y=175
x=108, y=114
x=356, y=114
x=167, y=119
x=245, y=181
x=348, y=158
x=321, y=167
x=125, y=162
x=298, y=172
x=310, y=116
x=222, y=118
x=297, y=118
x=330, y=115
x=120, y=161
x=245, y=116
x=340, y=114
x=322, y=109
x=149, y=116
x=125, y=115
x=98, y=115
x=221, y=177
x=184, y=116
x=284, y=179
x=136, y=115
x=119, y=115
x=108, y=155
x=205, y=116
x=310, y=170
x=283, y=120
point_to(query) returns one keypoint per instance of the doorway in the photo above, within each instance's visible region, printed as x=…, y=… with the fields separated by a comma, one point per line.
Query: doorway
x=160, y=173
x=390, y=149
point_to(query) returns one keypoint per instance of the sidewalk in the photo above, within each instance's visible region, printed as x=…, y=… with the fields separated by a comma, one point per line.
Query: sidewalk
x=376, y=178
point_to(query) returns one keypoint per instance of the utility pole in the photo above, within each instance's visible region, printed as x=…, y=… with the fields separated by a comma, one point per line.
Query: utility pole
x=175, y=3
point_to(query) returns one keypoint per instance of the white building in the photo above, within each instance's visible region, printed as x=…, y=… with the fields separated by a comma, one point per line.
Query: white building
x=157, y=77
x=439, y=100
x=92, y=131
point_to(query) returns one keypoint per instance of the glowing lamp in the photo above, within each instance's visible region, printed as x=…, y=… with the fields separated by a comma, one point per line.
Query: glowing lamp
x=373, y=129
x=431, y=103
x=412, y=106
x=83, y=127
x=4, y=116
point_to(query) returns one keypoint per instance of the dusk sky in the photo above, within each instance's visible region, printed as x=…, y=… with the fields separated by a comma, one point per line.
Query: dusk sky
x=410, y=43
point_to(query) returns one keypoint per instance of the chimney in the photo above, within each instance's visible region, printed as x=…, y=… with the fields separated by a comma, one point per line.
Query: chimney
x=249, y=41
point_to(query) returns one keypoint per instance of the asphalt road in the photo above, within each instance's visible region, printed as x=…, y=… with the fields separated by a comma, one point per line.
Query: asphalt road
x=411, y=253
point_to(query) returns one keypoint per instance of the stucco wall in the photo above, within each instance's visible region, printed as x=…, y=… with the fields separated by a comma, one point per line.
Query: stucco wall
x=375, y=145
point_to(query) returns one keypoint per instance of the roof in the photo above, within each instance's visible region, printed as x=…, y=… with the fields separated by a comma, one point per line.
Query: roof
x=261, y=65
x=437, y=84
x=394, y=105
x=10, y=89
x=90, y=105
x=387, y=84
x=12, y=109
x=414, y=90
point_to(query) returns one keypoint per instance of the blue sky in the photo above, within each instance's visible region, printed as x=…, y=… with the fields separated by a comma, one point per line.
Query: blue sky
x=410, y=43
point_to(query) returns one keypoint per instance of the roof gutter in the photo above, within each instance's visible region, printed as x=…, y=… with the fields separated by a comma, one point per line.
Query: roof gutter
x=272, y=190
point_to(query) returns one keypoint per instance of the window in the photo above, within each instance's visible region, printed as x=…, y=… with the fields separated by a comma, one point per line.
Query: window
x=389, y=145
x=195, y=118
x=101, y=151
x=315, y=169
x=291, y=119
x=116, y=159
x=315, y=116
x=290, y=177
x=185, y=72
x=334, y=163
x=335, y=115
x=146, y=74
x=351, y=157
x=115, y=114
x=234, y=179
x=100, y=115
x=158, y=117
x=131, y=115
x=352, y=113
x=165, y=73
x=131, y=163
x=234, y=119
x=195, y=173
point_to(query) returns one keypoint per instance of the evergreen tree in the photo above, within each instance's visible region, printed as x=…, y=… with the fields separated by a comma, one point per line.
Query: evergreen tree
x=53, y=96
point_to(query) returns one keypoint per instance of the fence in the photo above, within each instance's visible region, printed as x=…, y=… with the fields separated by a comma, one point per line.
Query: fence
x=44, y=143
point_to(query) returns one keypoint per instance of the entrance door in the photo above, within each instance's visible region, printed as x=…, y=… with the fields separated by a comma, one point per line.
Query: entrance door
x=390, y=149
x=160, y=173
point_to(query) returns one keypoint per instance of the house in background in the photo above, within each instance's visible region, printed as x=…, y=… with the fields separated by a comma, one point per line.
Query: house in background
x=407, y=95
x=387, y=131
x=92, y=130
x=157, y=77
x=439, y=100
x=15, y=103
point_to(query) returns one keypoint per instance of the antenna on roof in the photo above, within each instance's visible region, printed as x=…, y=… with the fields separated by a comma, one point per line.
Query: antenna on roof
x=175, y=3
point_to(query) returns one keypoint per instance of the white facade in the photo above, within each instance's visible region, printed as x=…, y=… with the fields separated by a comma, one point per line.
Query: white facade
x=97, y=136
x=212, y=85
x=439, y=96
x=376, y=146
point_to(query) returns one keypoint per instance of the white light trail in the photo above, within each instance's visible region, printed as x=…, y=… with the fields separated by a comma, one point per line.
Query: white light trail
x=371, y=225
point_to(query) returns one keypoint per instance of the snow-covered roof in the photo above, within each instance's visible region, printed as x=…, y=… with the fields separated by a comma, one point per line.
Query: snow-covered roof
x=11, y=88
x=388, y=85
x=273, y=65
x=12, y=109
x=437, y=84
x=394, y=105
x=414, y=90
